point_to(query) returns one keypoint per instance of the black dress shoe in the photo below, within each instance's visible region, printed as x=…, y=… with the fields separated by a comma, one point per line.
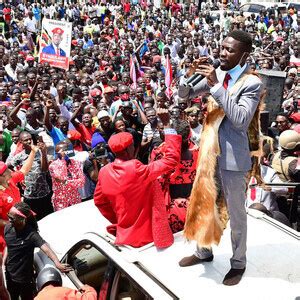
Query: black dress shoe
x=234, y=276
x=194, y=260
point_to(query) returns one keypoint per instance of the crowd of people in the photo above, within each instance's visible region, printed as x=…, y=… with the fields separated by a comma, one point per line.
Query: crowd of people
x=127, y=62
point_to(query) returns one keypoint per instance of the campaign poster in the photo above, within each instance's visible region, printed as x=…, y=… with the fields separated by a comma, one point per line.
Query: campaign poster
x=55, y=43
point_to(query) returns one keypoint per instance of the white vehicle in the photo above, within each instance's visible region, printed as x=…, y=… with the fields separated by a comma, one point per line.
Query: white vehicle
x=78, y=236
x=295, y=4
x=256, y=7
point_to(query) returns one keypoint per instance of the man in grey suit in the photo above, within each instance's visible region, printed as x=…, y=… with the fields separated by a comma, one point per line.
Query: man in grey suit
x=239, y=105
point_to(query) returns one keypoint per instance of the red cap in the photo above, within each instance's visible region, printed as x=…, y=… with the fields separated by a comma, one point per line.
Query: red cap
x=120, y=141
x=3, y=167
x=57, y=30
x=73, y=135
x=74, y=43
x=297, y=128
x=29, y=58
x=95, y=93
x=295, y=117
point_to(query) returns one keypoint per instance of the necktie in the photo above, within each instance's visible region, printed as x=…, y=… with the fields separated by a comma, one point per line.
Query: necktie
x=226, y=80
x=57, y=51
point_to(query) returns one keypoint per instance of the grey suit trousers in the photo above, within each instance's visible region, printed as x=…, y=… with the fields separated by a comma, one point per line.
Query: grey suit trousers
x=233, y=185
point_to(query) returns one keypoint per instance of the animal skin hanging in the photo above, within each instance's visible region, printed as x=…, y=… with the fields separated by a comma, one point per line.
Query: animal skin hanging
x=207, y=214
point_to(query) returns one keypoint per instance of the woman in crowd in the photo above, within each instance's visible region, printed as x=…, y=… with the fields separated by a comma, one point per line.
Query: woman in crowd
x=120, y=126
x=177, y=186
x=67, y=176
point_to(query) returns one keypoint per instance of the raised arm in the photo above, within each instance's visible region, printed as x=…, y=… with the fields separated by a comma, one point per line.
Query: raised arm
x=172, y=155
x=44, y=159
x=76, y=113
x=29, y=161
x=49, y=105
x=141, y=113
x=14, y=112
x=33, y=91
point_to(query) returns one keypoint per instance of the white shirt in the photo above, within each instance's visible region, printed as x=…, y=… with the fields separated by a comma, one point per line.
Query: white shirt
x=196, y=134
x=30, y=24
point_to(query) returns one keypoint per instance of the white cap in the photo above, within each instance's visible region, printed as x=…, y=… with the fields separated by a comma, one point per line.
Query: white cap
x=102, y=114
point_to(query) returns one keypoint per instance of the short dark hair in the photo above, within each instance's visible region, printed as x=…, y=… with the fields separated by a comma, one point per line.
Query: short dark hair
x=243, y=37
x=182, y=127
x=282, y=114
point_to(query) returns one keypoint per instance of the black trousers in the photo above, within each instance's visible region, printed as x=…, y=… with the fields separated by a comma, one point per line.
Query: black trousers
x=41, y=206
x=23, y=290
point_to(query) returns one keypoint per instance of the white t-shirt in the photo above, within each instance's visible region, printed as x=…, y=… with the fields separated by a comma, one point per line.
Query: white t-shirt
x=30, y=24
x=196, y=134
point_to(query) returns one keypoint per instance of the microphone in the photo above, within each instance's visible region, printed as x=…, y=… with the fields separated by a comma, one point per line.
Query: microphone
x=196, y=78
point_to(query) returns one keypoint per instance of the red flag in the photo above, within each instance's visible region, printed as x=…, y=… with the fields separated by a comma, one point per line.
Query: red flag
x=252, y=186
x=168, y=79
x=132, y=72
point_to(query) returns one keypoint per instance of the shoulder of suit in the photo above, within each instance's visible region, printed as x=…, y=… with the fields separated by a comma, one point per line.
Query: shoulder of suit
x=251, y=78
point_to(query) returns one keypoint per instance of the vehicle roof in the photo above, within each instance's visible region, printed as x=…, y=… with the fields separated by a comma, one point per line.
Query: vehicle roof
x=266, y=4
x=273, y=269
x=71, y=223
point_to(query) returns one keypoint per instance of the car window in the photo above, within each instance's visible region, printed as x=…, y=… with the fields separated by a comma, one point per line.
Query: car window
x=93, y=267
x=124, y=287
x=89, y=264
x=245, y=7
x=256, y=8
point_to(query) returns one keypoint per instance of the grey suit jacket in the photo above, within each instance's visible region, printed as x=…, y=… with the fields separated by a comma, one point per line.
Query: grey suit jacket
x=239, y=109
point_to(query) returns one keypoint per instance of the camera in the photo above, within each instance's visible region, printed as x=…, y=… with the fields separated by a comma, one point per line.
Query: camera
x=99, y=152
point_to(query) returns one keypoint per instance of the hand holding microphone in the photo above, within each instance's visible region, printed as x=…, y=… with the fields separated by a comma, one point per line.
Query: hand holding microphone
x=204, y=67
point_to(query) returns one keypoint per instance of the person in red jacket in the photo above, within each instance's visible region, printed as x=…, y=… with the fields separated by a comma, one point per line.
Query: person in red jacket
x=126, y=195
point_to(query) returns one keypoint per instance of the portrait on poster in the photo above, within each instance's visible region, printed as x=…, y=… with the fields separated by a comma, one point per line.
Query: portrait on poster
x=55, y=43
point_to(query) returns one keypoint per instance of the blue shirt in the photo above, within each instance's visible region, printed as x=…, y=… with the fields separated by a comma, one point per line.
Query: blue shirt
x=57, y=135
x=234, y=73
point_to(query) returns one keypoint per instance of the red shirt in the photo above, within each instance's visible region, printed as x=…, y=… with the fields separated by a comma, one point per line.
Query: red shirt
x=125, y=195
x=127, y=7
x=9, y=197
x=7, y=14
x=86, y=133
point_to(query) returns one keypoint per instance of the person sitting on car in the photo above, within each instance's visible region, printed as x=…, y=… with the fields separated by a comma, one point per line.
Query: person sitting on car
x=126, y=195
x=49, y=285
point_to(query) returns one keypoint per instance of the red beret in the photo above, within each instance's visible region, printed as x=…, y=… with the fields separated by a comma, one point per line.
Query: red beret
x=57, y=30
x=95, y=93
x=29, y=58
x=120, y=141
x=3, y=167
x=295, y=117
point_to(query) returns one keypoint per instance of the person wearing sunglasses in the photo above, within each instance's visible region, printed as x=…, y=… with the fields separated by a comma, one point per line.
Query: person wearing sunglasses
x=21, y=237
